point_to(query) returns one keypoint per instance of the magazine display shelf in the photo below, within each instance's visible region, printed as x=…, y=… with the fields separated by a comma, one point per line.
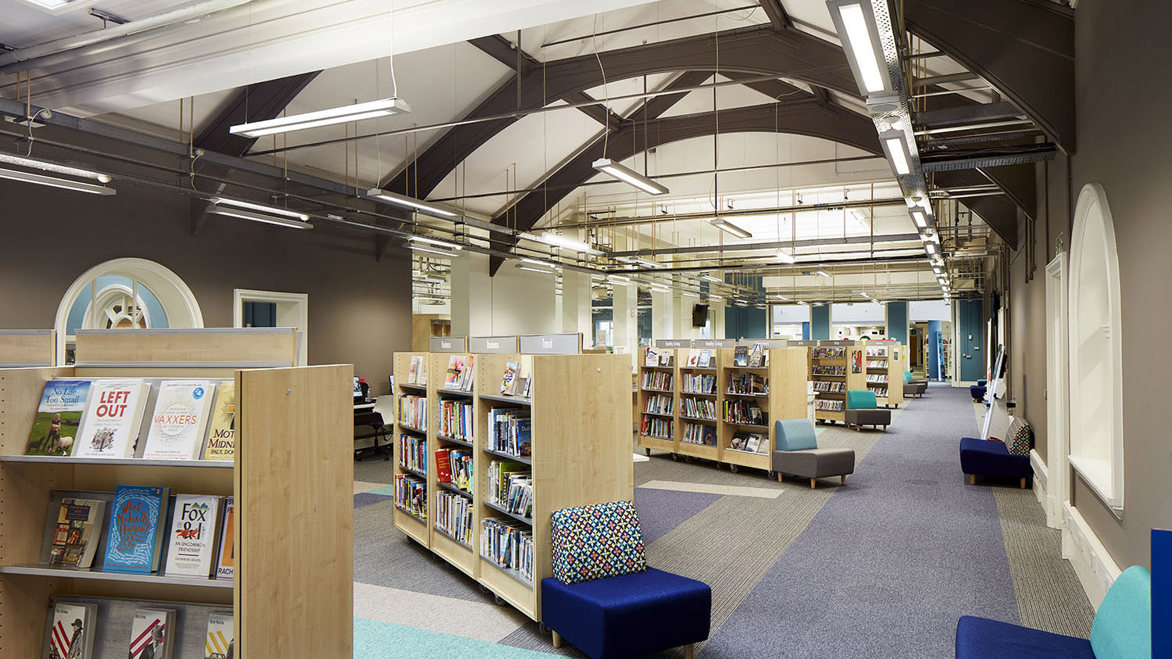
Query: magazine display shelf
x=894, y=354
x=581, y=454
x=850, y=379
x=645, y=394
x=290, y=478
x=786, y=399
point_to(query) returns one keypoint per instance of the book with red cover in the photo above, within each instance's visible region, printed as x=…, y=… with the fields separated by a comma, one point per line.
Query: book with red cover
x=443, y=466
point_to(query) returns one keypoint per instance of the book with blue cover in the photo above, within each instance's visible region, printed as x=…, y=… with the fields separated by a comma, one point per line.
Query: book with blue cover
x=135, y=538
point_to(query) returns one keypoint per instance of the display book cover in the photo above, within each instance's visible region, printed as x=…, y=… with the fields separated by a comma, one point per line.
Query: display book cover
x=73, y=531
x=58, y=417
x=226, y=561
x=179, y=420
x=152, y=634
x=109, y=428
x=70, y=631
x=220, y=444
x=192, y=535
x=135, y=537
x=219, y=643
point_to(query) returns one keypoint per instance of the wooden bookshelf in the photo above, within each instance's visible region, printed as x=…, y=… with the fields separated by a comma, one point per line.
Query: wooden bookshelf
x=646, y=394
x=786, y=399
x=28, y=348
x=837, y=356
x=888, y=358
x=415, y=527
x=691, y=449
x=461, y=556
x=291, y=479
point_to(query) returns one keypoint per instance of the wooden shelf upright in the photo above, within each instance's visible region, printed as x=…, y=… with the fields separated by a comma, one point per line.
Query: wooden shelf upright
x=28, y=348
x=840, y=366
x=887, y=357
x=291, y=479
x=649, y=393
x=786, y=399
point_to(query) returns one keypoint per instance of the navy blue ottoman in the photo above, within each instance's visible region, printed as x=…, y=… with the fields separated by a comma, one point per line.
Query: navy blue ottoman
x=982, y=457
x=629, y=615
x=981, y=638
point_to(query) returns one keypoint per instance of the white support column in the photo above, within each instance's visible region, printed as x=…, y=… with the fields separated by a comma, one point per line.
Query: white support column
x=716, y=316
x=626, y=322
x=575, y=304
x=662, y=315
x=461, y=306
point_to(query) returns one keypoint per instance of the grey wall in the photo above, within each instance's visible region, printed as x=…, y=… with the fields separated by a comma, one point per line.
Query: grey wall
x=359, y=309
x=1124, y=142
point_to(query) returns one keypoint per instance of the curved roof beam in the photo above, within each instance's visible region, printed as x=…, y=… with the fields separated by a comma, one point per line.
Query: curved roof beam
x=755, y=50
x=803, y=117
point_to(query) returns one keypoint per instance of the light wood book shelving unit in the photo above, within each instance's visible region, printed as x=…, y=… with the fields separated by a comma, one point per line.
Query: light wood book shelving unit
x=646, y=394
x=28, y=348
x=893, y=354
x=691, y=449
x=581, y=454
x=413, y=526
x=851, y=379
x=291, y=480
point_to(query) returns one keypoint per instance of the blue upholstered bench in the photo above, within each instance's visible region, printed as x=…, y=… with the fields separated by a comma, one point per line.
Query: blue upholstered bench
x=604, y=599
x=1122, y=629
x=977, y=391
x=983, y=457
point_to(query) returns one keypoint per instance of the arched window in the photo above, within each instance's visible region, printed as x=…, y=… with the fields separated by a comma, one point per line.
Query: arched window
x=1096, y=368
x=128, y=294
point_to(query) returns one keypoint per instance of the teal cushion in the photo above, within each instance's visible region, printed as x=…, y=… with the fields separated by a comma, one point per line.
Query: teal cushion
x=795, y=435
x=1123, y=624
x=907, y=377
x=861, y=399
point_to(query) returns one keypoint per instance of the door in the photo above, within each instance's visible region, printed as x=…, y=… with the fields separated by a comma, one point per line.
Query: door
x=971, y=320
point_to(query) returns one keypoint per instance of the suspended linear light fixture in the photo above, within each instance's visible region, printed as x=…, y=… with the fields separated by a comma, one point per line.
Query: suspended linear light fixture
x=895, y=144
x=260, y=208
x=345, y=114
x=856, y=19
x=785, y=257
x=433, y=241
x=628, y=175
x=403, y=201
x=558, y=240
x=45, y=166
x=822, y=273
x=260, y=217
x=725, y=225
x=55, y=182
x=416, y=247
x=712, y=279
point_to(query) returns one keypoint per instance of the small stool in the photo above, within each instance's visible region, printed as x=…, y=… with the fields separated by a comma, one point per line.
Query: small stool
x=628, y=615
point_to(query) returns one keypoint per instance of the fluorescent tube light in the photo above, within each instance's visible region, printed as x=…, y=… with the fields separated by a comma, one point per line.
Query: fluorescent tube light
x=931, y=247
x=432, y=241
x=897, y=152
x=659, y=287
x=340, y=115
x=629, y=175
x=864, y=294
x=259, y=217
x=618, y=279
x=711, y=279
x=532, y=268
x=712, y=296
x=822, y=273
x=54, y=182
x=558, y=240
x=45, y=166
x=730, y=227
x=780, y=298
x=785, y=257
x=918, y=218
x=404, y=201
x=861, y=42
x=260, y=208
x=431, y=250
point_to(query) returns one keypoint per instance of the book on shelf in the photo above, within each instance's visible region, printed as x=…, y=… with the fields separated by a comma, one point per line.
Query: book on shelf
x=152, y=633
x=413, y=452
x=192, y=543
x=454, y=375
x=510, y=431
x=71, y=634
x=443, y=467
x=741, y=356
x=457, y=419
x=220, y=642
x=58, y=417
x=454, y=466
x=226, y=555
x=698, y=433
x=453, y=516
x=744, y=412
x=651, y=358
x=180, y=419
x=411, y=495
x=657, y=427
x=508, y=380
x=507, y=545
x=112, y=418
x=705, y=360
x=524, y=376
x=667, y=358
x=750, y=442
x=693, y=358
x=220, y=444
x=757, y=355
x=658, y=404
x=134, y=541
x=413, y=369
x=413, y=412
x=510, y=486
x=73, y=531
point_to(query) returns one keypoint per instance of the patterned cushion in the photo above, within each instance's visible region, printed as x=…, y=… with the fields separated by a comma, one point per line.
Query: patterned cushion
x=597, y=541
x=1019, y=442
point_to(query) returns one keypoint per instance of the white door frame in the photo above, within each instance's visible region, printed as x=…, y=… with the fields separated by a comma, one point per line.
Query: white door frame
x=1057, y=391
x=292, y=311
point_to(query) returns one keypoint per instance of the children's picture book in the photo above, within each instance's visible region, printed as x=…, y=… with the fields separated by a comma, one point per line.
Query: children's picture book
x=180, y=419
x=226, y=561
x=70, y=631
x=135, y=539
x=509, y=377
x=58, y=417
x=110, y=425
x=219, y=643
x=192, y=544
x=151, y=634
x=455, y=372
x=693, y=358
x=220, y=443
x=76, y=532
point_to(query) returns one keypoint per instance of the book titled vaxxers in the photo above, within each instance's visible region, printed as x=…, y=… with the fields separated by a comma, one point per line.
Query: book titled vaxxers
x=135, y=538
x=179, y=420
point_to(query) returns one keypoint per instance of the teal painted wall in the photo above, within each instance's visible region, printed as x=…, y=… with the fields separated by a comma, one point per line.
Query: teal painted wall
x=820, y=323
x=971, y=321
x=897, y=321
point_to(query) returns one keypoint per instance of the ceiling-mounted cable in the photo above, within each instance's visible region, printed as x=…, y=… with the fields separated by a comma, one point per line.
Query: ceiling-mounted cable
x=391, y=20
x=605, y=90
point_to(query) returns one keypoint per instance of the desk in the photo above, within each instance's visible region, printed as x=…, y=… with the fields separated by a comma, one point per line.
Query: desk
x=369, y=424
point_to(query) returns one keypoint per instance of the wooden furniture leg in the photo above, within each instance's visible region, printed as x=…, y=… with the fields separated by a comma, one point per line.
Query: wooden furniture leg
x=972, y=479
x=688, y=651
x=557, y=639
x=779, y=477
x=844, y=479
x=1023, y=483
x=813, y=483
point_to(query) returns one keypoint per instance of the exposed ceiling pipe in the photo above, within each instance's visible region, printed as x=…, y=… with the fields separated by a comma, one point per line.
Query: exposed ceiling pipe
x=53, y=52
x=673, y=217
x=774, y=245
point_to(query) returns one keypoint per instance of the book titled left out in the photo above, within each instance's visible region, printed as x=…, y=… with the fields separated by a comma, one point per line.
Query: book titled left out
x=58, y=417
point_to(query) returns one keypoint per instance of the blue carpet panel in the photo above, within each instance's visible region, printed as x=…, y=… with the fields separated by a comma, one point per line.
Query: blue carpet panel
x=890, y=562
x=662, y=510
x=366, y=498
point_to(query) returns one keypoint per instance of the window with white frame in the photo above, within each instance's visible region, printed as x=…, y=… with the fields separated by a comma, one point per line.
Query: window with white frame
x=1096, y=370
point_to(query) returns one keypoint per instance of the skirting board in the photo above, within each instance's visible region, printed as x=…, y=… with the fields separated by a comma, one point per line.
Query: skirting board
x=1048, y=500
x=1095, y=568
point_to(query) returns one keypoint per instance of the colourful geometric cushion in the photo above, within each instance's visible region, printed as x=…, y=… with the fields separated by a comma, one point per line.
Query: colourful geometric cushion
x=1019, y=443
x=597, y=541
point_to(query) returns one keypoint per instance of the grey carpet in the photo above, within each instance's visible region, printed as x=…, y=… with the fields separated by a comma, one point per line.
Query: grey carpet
x=374, y=470
x=891, y=561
